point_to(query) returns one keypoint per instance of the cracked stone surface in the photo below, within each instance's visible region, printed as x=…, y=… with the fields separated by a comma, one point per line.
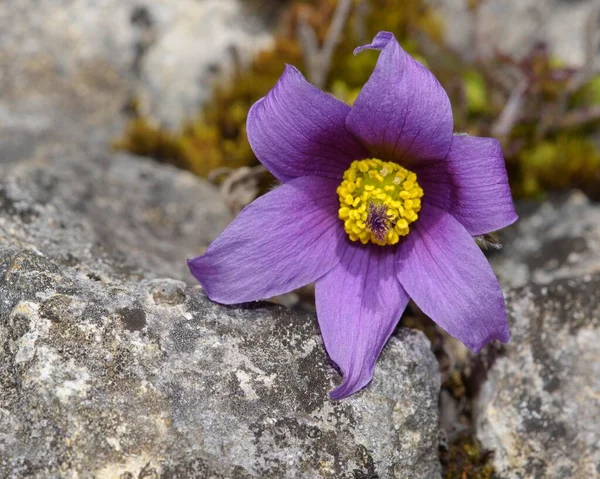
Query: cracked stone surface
x=539, y=409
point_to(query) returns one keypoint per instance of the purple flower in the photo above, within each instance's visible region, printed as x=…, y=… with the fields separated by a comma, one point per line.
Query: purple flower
x=379, y=204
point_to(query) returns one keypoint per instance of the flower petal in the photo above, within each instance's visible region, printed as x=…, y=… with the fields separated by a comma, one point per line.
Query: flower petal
x=280, y=242
x=448, y=277
x=402, y=113
x=472, y=184
x=359, y=303
x=299, y=130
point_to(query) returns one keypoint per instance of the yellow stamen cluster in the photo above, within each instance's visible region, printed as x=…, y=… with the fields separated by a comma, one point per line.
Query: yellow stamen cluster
x=378, y=201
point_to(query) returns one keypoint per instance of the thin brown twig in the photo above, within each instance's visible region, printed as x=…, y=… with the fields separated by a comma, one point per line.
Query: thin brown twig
x=310, y=45
x=318, y=61
x=512, y=111
x=579, y=118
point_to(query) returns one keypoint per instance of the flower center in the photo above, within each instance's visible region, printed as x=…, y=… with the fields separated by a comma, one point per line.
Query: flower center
x=378, y=201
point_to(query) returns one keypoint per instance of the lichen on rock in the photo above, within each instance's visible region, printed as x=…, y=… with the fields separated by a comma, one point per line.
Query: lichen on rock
x=539, y=409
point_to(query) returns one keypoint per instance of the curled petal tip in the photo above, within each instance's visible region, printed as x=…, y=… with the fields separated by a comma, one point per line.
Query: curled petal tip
x=379, y=42
x=402, y=113
x=291, y=69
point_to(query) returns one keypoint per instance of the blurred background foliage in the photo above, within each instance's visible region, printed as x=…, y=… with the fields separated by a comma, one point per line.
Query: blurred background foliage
x=545, y=114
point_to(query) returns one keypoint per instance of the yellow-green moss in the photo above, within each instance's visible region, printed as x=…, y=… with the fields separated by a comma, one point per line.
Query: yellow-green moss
x=476, y=94
x=466, y=459
x=588, y=95
x=565, y=162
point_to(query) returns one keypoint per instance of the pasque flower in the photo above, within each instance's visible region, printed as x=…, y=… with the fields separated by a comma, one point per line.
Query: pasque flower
x=379, y=204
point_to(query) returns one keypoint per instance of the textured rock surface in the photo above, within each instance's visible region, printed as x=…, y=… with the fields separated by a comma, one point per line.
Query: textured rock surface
x=539, y=409
x=109, y=213
x=108, y=379
x=68, y=67
x=559, y=238
x=107, y=370
x=514, y=26
x=199, y=43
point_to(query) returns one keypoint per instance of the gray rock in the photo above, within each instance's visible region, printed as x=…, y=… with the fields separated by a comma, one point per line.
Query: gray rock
x=127, y=378
x=68, y=67
x=64, y=73
x=539, y=409
x=559, y=238
x=109, y=214
x=514, y=26
x=199, y=44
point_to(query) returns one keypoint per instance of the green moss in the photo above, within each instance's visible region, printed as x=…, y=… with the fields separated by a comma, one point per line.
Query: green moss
x=142, y=138
x=475, y=92
x=588, y=95
x=466, y=459
x=564, y=162
x=593, y=87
